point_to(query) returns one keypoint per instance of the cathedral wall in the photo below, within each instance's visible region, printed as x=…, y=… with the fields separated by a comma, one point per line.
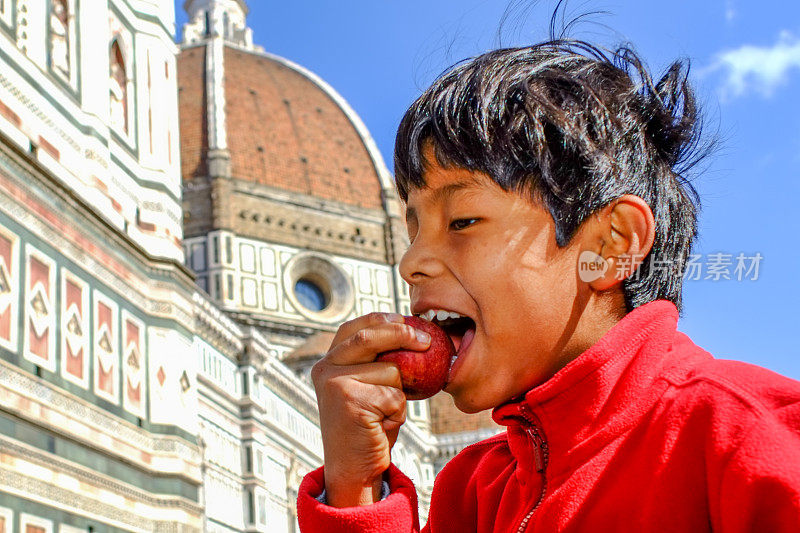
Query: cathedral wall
x=258, y=429
x=306, y=222
x=259, y=278
x=104, y=125
x=130, y=402
x=97, y=422
x=98, y=426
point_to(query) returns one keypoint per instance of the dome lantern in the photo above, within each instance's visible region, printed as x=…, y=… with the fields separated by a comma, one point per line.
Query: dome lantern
x=226, y=19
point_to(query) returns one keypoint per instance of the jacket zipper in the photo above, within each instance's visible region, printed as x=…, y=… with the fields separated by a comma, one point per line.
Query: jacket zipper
x=540, y=454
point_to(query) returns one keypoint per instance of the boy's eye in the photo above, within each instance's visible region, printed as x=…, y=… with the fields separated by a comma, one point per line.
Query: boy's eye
x=462, y=223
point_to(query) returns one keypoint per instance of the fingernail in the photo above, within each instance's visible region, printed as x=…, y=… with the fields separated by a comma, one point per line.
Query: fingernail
x=394, y=317
x=423, y=337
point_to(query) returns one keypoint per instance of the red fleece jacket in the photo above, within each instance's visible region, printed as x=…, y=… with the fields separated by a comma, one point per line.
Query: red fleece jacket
x=643, y=432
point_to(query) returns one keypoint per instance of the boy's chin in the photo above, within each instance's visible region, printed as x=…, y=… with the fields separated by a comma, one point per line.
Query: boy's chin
x=467, y=404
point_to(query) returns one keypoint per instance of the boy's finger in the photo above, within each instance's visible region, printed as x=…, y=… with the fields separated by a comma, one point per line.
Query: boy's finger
x=367, y=405
x=365, y=344
x=378, y=373
x=366, y=321
x=391, y=403
x=391, y=424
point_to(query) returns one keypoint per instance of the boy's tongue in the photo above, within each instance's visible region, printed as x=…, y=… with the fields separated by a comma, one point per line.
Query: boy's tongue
x=462, y=340
x=466, y=340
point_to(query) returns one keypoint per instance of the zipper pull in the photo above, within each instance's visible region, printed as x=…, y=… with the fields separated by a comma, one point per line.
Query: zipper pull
x=538, y=454
x=536, y=438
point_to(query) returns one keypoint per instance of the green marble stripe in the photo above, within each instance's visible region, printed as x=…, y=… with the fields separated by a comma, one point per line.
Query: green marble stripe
x=77, y=453
x=21, y=505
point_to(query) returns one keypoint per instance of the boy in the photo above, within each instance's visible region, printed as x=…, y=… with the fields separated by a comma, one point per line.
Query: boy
x=546, y=203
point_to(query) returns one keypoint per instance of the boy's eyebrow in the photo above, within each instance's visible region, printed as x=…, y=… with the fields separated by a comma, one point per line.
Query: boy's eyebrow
x=445, y=192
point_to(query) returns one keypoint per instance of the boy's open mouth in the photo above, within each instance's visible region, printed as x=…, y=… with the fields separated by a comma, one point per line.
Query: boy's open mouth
x=460, y=329
x=457, y=329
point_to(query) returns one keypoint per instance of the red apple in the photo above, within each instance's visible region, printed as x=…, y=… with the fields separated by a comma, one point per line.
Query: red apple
x=423, y=373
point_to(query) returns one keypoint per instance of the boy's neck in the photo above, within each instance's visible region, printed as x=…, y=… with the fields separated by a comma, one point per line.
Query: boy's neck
x=589, y=321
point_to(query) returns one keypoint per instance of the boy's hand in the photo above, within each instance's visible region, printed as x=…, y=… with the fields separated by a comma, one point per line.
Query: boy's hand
x=361, y=405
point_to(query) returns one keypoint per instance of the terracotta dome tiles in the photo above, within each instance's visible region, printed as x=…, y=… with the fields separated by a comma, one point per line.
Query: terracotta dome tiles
x=192, y=112
x=283, y=130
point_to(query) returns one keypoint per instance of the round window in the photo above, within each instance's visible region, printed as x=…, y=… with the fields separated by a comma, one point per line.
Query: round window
x=310, y=295
x=318, y=288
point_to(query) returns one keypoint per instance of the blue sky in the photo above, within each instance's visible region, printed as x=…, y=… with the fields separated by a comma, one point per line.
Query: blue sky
x=746, y=69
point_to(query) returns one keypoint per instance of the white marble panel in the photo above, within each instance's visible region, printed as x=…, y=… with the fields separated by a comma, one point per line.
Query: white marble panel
x=250, y=292
x=267, y=262
x=270, y=295
x=247, y=258
x=382, y=283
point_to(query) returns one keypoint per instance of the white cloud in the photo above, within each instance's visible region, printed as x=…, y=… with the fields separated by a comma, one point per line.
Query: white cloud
x=757, y=68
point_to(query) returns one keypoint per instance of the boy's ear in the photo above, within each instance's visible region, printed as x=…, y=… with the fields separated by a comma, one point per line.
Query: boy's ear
x=624, y=231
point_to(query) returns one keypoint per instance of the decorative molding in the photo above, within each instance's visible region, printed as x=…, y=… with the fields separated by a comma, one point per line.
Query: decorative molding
x=290, y=388
x=37, y=112
x=218, y=371
x=105, y=347
x=309, y=229
x=278, y=310
x=172, y=306
x=10, y=283
x=327, y=275
x=75, y=329
x=213, y=324
x=59, y=497
x=40, y=312
x=95, y=478
x=134, y=365
x=94, y=418
x=256, y=350
x=310, y=204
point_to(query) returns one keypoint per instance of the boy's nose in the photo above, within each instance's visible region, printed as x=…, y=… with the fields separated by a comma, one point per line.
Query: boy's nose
x=420, y=262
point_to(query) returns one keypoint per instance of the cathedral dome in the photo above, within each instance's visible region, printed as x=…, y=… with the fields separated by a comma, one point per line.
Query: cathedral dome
x=283, y=127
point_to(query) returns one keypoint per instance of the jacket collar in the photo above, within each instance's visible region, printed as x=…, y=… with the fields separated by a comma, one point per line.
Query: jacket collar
x=601, y=393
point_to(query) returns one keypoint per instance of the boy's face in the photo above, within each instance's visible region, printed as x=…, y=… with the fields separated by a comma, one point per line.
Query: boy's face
x=491, y=255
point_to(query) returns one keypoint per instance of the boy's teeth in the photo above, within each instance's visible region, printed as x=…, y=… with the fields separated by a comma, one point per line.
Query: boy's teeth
x=439, y=314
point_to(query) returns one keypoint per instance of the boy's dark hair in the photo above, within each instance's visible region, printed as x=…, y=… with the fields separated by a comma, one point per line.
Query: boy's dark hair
x=576, y=127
